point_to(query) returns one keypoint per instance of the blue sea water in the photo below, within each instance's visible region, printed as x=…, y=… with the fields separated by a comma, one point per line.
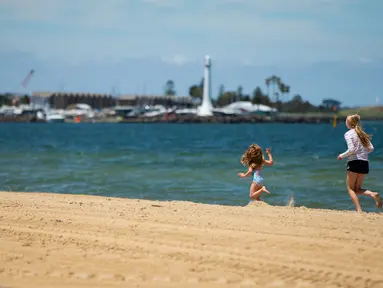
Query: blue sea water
x=193, y=162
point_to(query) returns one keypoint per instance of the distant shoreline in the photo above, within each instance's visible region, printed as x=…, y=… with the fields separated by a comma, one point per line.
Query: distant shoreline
x=293, y=118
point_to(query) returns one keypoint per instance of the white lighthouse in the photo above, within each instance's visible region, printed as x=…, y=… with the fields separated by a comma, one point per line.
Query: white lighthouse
x=206, y=108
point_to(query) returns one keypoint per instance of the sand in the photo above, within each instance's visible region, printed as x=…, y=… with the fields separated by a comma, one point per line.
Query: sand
x=52, y=240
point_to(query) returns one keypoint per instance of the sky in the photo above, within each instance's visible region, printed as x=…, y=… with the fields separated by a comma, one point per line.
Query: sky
x=321, y=48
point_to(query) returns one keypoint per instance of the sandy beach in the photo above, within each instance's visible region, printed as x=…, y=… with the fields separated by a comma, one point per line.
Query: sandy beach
x=55, y=240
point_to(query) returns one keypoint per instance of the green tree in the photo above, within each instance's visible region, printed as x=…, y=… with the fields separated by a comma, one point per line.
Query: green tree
x=25, y=100
x=169, y=88
x=246, y=98
x=296, y=105
x=6, y=99
x=196, y=91
x=227, y=98
x=257, y=96
x=297, y=98
x=331, y=104
x=260, y=98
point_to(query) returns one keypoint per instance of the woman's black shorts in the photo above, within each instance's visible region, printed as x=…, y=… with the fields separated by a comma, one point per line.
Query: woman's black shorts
x=358, y=166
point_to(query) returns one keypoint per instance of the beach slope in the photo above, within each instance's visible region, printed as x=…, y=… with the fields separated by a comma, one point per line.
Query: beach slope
x=53, y=240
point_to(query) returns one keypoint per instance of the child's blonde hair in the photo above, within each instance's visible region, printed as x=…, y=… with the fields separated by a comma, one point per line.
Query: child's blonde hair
x=354, y=122
x=253, y=157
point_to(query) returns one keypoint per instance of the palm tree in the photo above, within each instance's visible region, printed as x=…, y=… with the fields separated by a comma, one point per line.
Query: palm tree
x=284, y=89
x=268, y=81
x=281, y=87
x=287, y=91
x=275, y=80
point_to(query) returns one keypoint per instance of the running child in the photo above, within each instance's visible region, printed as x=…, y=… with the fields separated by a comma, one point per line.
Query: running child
x=359, y=146
x=253, y=158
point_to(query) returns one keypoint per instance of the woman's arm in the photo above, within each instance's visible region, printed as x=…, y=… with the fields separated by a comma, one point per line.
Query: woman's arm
x=350, y=145
x=370, y=147
x=344, y=154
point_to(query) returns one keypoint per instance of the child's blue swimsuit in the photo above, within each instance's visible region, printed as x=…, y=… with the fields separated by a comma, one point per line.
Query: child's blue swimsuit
x=257, y=178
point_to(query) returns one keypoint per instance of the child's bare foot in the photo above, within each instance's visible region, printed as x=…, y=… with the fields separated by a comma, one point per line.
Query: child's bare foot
x=378, y=201
x=265, y=190
x=258, y=199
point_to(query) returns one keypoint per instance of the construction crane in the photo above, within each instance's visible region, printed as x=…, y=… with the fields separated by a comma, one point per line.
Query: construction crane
x=16, y=98
x=26, y=79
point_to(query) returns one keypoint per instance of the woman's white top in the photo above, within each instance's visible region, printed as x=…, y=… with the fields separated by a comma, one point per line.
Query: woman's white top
x=356, y=150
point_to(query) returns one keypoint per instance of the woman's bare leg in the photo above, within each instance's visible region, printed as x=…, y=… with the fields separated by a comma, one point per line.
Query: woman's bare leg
x=351, y=184
x=360, y=190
